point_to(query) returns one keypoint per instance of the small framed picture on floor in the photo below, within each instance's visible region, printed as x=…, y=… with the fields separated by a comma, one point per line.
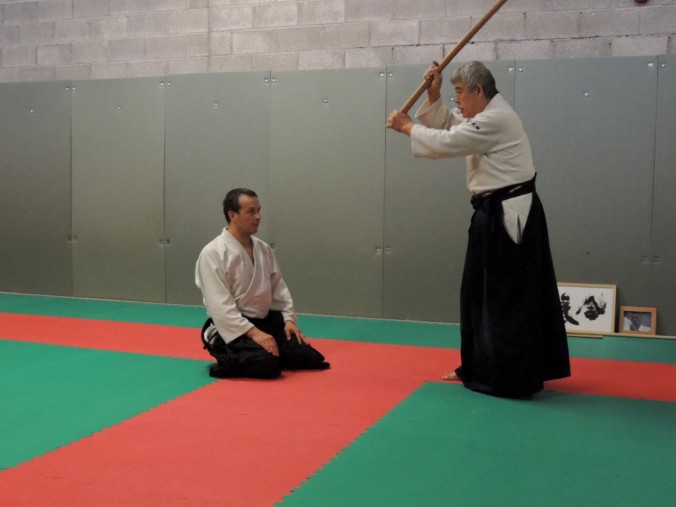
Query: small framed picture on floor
x=637, y=320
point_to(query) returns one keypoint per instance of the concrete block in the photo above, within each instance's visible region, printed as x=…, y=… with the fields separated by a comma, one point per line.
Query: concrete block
x=108, y=70
x=552, y=25
x=127, y=50
x=298, y=39
x=461, y=8
x=418, y=54
x=368, y=57
x=275, y=62
x=58, y=54
x=148, y=25
x=199, y=4
x=35, y=33
x=175, y=46
x=443, y=31
x=501, y=27
x=406, y=9
x=658, y=20
x=333, y=59
x=194, y=21
x=91, y=8
x=197, y=65
x=253, y=41
x=109, y=28
x=9, y=36
x=147, y=68
x=275, y=14
x=52, y=10
x=220, y=43
x=198, y=44
x=321, y=12
x=71, y=30
x=582, y=48
x=72, y=72
x=394, y=33
x=368, y=10
x=524, y=50
x=639, y=45
x=137, y=6
x=20, y=13
x=482, y=51
x=35, y=73
x=345, y=36
x=231, y=63
x=609, y=22
x=18, y=56
x=232, y=18
x=9, y=74
x=90, y=51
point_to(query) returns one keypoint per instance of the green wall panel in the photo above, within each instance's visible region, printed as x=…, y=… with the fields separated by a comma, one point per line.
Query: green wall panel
x=216, y=139
x=35, y=212
x=327, y=132
x=592, y=127
x=118, y=194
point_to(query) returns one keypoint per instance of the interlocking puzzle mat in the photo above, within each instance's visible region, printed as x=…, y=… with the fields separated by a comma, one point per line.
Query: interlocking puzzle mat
x=155, y=429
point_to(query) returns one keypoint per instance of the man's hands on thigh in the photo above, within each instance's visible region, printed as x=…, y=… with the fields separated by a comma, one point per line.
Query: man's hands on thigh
x=264, y=340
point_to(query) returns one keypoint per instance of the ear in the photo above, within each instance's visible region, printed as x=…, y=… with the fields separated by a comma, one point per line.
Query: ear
x=480, y=90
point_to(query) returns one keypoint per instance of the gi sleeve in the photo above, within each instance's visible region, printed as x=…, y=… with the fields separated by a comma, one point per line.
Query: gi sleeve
x=219, y=302
x=443, y=135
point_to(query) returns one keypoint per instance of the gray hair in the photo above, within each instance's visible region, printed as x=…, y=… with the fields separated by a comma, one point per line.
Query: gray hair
x=474, y=74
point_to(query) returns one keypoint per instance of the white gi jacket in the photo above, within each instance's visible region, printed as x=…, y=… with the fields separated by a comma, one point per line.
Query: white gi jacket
x=496, y=146
x=234, y=287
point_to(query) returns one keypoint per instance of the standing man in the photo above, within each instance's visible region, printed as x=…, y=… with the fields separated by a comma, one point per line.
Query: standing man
x=513, y=336
x=251, y=329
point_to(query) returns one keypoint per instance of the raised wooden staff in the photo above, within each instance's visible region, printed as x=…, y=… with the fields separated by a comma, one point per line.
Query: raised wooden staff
x=426, y=84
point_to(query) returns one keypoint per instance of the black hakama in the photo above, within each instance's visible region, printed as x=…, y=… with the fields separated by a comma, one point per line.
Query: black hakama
x=513, y=337
x=243, y=357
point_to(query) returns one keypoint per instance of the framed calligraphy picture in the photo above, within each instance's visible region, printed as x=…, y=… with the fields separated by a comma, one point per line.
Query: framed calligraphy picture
x=588, y=309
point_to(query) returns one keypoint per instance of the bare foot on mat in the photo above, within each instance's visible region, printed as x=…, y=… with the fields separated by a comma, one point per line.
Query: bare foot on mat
x=450, y=376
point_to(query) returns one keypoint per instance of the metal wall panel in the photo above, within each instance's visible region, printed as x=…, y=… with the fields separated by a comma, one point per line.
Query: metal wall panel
x=35, y=213
x=118, y=209
x=592, y=127
x=427, y=212
x=663, y=295
x=327, y=132
x=216, y=139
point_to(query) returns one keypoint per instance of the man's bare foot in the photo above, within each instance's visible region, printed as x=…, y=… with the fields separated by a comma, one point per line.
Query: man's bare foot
x=450, y=376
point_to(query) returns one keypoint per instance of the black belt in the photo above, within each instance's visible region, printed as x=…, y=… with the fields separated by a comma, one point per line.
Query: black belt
x=486, y=198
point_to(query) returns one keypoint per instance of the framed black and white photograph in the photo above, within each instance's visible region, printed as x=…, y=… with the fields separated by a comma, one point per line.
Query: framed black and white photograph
x=588, y=309
x=637, y=320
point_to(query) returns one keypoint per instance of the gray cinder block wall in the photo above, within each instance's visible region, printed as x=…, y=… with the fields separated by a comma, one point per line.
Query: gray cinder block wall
x=100, y=39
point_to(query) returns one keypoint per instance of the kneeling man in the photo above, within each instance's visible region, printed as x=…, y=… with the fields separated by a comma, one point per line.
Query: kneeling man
x=251, y=329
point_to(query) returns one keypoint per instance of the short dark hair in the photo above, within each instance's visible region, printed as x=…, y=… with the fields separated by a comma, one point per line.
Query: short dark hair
x=231, y=201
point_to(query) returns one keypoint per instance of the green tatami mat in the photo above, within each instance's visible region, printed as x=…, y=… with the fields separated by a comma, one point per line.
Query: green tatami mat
x=123, y=311
x=395, y=332
x=52, y=396
x=445, y=445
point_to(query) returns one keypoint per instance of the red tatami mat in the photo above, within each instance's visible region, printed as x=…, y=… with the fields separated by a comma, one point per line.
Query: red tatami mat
x=104, y=335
